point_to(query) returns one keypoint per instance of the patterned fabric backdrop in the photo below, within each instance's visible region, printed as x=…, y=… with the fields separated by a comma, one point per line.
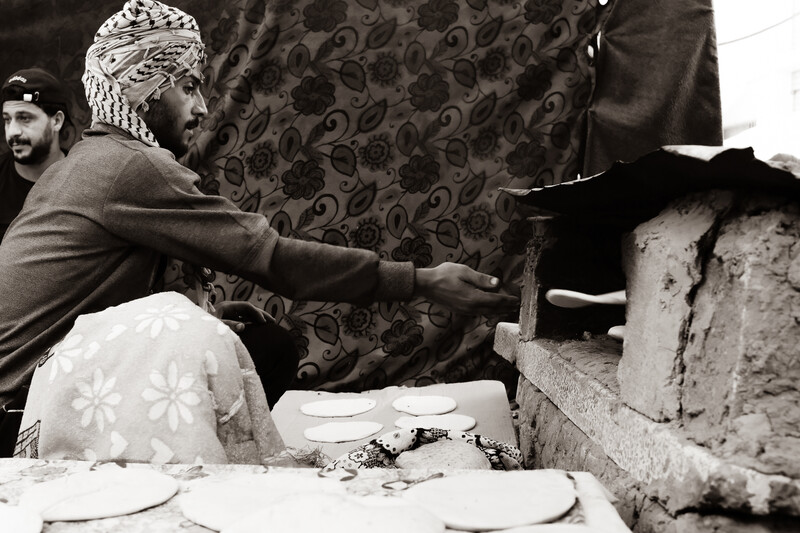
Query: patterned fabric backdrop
x=387, y=125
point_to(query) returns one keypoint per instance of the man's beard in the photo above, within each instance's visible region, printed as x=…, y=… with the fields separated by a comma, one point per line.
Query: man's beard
x=40, y=150
x=163, y=123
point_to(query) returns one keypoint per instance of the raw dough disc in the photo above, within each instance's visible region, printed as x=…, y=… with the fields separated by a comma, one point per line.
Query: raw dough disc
x=217, y=503
x=19, y=519
x=342, y=431
x=553, y=528
x=332, y=513
x=99, y=494
x=480, y=501
x=451, y=421
x=341, y=407
x=617, y=333
x=424, y=405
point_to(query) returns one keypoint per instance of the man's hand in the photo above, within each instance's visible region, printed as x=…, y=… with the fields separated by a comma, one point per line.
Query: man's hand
x=464, y=290
x=237, y=314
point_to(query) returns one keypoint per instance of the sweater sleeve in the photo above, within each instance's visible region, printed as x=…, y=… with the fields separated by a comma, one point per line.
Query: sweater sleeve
x=309, y=270
x=154, y=202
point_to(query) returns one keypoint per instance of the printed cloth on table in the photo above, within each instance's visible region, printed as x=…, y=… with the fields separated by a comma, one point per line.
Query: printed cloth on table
x=153, y=380
x=383, y=451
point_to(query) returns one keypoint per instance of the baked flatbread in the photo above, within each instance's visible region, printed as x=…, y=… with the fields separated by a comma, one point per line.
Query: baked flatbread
x=19, y=519
x=98, y=494
x=450, y=421
x=444, y=455
x=332, y=513
x=217, y=503
x=480, y=501
x=341, y=407
x=342, y=431
x=424, y=405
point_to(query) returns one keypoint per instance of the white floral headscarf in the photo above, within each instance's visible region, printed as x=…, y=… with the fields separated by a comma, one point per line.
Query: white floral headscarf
x=138, y=53
x=151, y=380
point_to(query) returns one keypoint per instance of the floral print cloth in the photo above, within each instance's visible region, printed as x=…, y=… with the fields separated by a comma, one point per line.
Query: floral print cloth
x=390, y=125
x=387, y=125
x=382, y=451
x=153, y=380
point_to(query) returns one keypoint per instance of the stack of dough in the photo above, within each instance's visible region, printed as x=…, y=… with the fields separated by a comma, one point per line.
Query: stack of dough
x=340, y=431
x=431, y=412
x=444, y=455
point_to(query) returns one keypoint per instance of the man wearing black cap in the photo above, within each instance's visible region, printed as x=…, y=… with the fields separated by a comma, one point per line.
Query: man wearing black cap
x=34, y=111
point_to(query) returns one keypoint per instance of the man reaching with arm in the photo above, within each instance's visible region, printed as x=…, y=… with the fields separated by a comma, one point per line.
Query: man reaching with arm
x=98, y=222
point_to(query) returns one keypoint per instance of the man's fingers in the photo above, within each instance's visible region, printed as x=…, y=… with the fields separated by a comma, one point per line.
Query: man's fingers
x=233, y=324
x=503, y=302
x=245, y=311
x=483, y=281
x=489, y=303
x=512, y=288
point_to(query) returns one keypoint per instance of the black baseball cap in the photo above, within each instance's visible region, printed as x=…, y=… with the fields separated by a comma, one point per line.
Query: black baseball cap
x=37, y=86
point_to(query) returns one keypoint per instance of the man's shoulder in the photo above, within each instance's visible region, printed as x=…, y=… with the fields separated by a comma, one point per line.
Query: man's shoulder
x=116, y=143
x=7, y=165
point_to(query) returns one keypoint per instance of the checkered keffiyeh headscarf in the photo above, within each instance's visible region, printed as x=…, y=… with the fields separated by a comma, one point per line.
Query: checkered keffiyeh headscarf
x=138, y=53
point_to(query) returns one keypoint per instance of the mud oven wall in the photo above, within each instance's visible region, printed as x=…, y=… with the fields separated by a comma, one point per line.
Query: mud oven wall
x=693, y=422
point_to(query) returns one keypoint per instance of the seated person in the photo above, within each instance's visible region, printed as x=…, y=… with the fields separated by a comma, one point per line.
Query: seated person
x=34, y=112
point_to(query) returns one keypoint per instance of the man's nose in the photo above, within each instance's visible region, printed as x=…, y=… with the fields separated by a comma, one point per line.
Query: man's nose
x=12, y=129
x=199, y=108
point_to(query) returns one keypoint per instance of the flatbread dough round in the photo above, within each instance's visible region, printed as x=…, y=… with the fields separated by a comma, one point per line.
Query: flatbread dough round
x=450, y=421
x=218, y=503
x=342, y=431
x=341, y=407
x=424, y=405
x=19, y=519
x=332, y=513
x=444, y=455
x=480, y=501
x=553, y=528
x=98, y=494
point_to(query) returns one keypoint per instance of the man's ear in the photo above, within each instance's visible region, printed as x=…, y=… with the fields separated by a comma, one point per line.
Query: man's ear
x=58, y=120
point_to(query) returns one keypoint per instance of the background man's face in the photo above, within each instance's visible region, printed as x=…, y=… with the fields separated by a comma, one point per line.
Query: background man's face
x=29, y=132
x=174, y=116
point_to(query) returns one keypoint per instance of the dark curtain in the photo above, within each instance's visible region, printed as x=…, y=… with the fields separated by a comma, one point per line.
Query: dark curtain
x=390, y=125
x=657, y=81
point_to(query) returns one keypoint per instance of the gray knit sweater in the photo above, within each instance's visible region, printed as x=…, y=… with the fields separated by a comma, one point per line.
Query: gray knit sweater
x=96, y=224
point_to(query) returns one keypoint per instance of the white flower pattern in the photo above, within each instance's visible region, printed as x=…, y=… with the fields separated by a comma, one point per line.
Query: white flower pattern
x=222, y=327
x=172, y=395
x=97, y=400
x=144, y=381
x=63, y=353
x=156, y=319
